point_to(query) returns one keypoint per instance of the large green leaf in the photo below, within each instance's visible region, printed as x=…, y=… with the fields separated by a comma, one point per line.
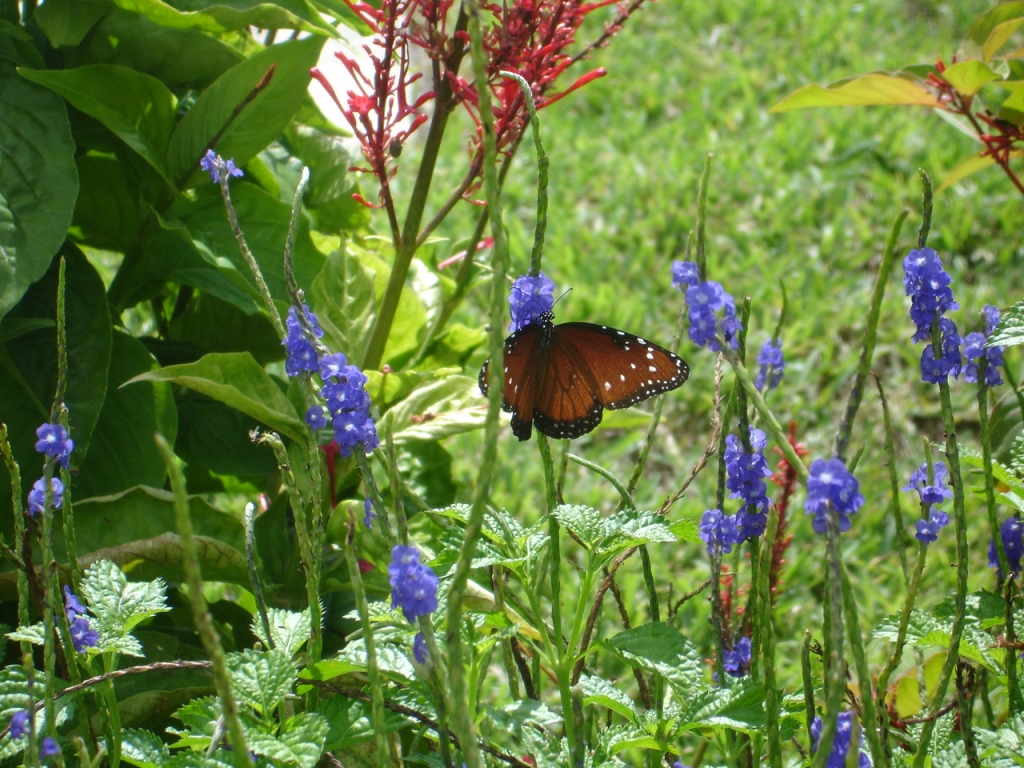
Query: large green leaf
x=38, y=182
x=123, y=454
x=210, y=324
x=213, y=16
x=265, y=220
x=66, y=22
x=213, y=436
x=139, y=109
x=236, y=380
x=658, y=647
x=329, y=194
x=107, y=211
x=260, y=122
x=875, y=89
x=171, y=255
x=991, y=30
x=344, y=300
x=438, y=409
x=28, y=364
x=968, y=77
x=175, y=57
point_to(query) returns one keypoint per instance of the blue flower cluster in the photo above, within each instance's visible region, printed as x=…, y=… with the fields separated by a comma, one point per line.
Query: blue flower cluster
x=931, y=496
x=718, y=529
x=54, y=441
x=300, y=353
x=344, y=390
x=530, y=299
x=705, y=302
x=841, y=742
x=19, y=730
x=348, y=403
x=413, y=584
x=927, y=284
x=215, y=165
x=737, y=661
x=82, y=634
x=1012, y=534
x=772, y=363
x=37, y=496
x=746, y=474
x=975, y=350
x=830, y=482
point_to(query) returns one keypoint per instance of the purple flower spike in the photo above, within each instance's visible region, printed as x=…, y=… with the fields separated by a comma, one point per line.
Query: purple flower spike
x=530, y=299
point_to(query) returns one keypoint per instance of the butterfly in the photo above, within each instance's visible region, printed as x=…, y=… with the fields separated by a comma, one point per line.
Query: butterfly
x=560, y=378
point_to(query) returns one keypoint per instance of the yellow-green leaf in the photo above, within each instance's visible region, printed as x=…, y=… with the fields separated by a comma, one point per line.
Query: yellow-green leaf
x=969, y=76
x=992, y=29
x=969, y=167
x=875, y=89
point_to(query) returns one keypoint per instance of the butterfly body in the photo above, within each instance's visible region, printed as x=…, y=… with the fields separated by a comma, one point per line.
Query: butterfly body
x=560, y=378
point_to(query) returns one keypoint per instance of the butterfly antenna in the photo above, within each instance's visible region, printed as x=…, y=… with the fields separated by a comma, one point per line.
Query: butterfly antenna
x=565, y=293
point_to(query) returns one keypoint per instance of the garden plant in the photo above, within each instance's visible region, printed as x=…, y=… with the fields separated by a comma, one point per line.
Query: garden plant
x=303, y=470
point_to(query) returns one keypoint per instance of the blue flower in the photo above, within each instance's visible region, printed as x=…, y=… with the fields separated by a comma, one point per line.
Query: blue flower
x=54, y=441
x=49, y=748
x=1012, y=534
x=975, y=350
x=83, y=635
x=746, y=474
x=37, y=496
x=413, y=584
x=349, y=405
x=316, y=416
x=720, y=529
x=841, y=742
x=301, y=354
x=830, y=482
x=928, y=529
x=368, y=514
x=705, y=302
x=684, y=273
x=19, y=724
x=419, y=649
x=72, y=605
x=937, y=492
x=737, y=661
x=530, y=299
x=927, y=285
x=215, y=165
x=934, y=371
x=772, y=364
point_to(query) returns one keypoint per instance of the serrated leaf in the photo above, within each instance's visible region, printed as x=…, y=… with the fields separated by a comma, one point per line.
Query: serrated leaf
x=143, y=748
x=200, y=717
x=261, y=680
x=237, y=380
x=350, y=722
x=597, y=690
x=34, y=634
x=390, y=660
x=740, y=707
x=288, y=629
x=919, y=625
x=658, y=647
x=628, y=737
x=118, y=604
x=300, y=741
x=585, y=522
x=1010, y=331
x=875, y=89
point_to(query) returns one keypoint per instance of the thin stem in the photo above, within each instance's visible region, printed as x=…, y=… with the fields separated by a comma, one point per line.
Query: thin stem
x=254, y=574
x=200, y=614
x=835, y=674
x=894, y=482
x=867, y=701
x=771, y=693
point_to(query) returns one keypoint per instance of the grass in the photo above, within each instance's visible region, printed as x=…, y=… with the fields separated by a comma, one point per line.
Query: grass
x=804, y=200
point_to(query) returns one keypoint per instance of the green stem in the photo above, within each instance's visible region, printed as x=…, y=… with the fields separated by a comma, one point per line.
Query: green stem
x=771, y=693
x=254, y=574
x=835, y=675
x=463, y=718
x=894, y=482
x=870, y=337
x=867, y=701
x=200, y=615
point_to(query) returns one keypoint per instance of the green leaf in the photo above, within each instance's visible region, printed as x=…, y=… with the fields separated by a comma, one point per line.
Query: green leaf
x=216, y=437
x=585, y=522
x=350, y=722
x=13, y=327
x=261, y=679
x=439, y=409
x=38, y=182
x=1010, y=331
x=968, y=167
x=875, y=89
x=658, y=647
x=107, y=213
x=117, y=604
x=289, y=630
x=238, y=381
x=123, y=454
x=137, y=108
x=143, y=748
x=740, y=707
x=35, y=634
x=344, y=300
x=136, y=529
x=230, y=16
x=66, y=22
x=210, y=324
x=300, y=742
x=992, y=29
x=329, y=194
x=200, y=717
x=968, y=77
x=265, y=220
x=179, y=58
x=260, y=121
x=597, y=690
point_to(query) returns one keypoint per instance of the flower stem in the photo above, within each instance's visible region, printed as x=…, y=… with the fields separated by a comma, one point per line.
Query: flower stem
x=771, y=694
x=867, y=701
x=200, y=614
x=894, y=483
